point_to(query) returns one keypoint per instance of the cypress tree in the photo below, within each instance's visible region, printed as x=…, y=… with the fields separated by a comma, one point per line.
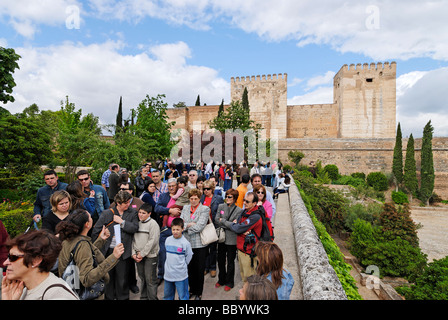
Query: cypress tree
x=410, y=170
x=397, y=164
x=119, y=119
x=245, y=99
x=427, y=166
x=221, y=109
x=198, y=101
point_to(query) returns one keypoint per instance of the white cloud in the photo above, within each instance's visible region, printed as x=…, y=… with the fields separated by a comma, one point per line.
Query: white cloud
x=25, y=16
x=95, y=76
x=326, y=79
x=421, y=96
x=381, y=29
x=321, y=95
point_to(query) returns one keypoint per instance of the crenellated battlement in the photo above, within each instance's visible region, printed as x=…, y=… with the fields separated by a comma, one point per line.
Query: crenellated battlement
x=259, y=78
x=386, y=66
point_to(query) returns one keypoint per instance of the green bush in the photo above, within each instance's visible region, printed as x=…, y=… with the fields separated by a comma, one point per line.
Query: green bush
x=359, y=175
x=432, y=284
x=378, y=181
x=16, y=221
x=333, y=171
x=370, y=213
x=394, y=257
x=349, y=180
x=335, y=256
x=399, y=197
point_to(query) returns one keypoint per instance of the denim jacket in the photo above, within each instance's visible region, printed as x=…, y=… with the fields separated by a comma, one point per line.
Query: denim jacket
x=284, y=291
x=101, y=199
x=42, y=204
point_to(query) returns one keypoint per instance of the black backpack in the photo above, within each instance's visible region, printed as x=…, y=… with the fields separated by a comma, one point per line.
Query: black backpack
x=267, y=232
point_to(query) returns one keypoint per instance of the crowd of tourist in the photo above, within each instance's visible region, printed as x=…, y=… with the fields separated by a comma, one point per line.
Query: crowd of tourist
x=150, y=227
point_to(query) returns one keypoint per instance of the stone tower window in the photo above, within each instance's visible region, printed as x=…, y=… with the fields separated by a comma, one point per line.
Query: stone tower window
x=369, y=80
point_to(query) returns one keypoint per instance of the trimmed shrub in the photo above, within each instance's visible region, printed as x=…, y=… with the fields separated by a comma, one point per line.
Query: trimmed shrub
x=378, y=181
x=399, y=197
x=333, y=171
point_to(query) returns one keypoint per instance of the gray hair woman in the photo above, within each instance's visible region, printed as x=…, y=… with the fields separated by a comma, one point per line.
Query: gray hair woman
x=195, y=216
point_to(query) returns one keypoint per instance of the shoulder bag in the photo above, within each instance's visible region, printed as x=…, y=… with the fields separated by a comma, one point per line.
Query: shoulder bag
x=71, y=276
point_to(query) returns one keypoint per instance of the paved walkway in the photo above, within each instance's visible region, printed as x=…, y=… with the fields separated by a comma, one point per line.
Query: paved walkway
x=433, y=235
x=284, y=237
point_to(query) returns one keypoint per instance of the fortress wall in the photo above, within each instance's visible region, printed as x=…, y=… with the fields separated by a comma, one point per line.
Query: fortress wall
x=366, y=155
x=318, y=121
x=186, y=117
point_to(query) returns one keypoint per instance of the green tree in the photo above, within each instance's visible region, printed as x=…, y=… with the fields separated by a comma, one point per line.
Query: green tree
x=221, y=109
x=119, y=120
x=78, y=138
x=397, y=164
x=410, y=169
x=296, y=156
x=8, y=64
x=235, y=117
x=198, y=101
x=23, y=144
x=245, y=99
x=153, y=127
x=427, y=165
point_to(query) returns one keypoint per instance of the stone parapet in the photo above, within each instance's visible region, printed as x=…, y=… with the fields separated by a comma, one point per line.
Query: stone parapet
x=319, y=280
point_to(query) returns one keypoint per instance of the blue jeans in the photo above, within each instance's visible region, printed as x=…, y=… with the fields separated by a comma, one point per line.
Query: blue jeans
x=162, y=252
x=170, y=289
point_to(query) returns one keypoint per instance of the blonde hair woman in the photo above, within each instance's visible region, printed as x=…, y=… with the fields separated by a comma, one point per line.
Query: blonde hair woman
x=61, y=203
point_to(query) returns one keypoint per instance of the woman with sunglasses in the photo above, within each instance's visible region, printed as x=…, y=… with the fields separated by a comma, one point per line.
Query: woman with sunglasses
x=61, y=203
x=212, y=201
x=28, y=277
x=260, y=191
x=227, y=211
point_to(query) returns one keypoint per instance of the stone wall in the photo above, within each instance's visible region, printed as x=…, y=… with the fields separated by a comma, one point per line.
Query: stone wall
x=319, y=280
x=366, y=155
x=317, y=121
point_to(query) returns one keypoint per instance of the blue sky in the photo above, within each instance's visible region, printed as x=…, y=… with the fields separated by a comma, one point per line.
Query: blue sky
x=183, y=48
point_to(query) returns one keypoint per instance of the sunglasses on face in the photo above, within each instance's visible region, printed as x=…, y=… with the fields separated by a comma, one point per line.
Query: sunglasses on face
x=207, y=189
x=260, y=192
x=124, y=189
x=229, y=197
x=14, y=257
x=247, y=201
x=84, y=179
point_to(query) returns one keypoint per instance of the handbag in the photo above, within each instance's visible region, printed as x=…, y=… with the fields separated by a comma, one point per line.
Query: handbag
x=71, y=276
x=221, y=232
x=208, y=234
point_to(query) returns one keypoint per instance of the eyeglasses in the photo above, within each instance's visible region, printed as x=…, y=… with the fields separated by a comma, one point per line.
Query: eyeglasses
x=14, y=257
x=125, y=189
x=260, y=192
x=247, y=201
x=192, y=175
x=85, y=179
x=207, y=189
x=229, y=197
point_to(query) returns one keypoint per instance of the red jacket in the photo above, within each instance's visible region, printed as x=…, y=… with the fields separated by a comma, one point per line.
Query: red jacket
x=3, y=251
x=249, y=220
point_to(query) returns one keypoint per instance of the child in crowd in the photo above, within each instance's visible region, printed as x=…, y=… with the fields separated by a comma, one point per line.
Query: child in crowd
x=178, y=256
x=181, y=198
x=145, y=251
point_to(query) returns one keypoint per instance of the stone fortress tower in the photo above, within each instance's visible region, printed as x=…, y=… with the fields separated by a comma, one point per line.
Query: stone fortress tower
x=267, y=97
x=364, y=104
x=356, y=131
x=366, y=100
